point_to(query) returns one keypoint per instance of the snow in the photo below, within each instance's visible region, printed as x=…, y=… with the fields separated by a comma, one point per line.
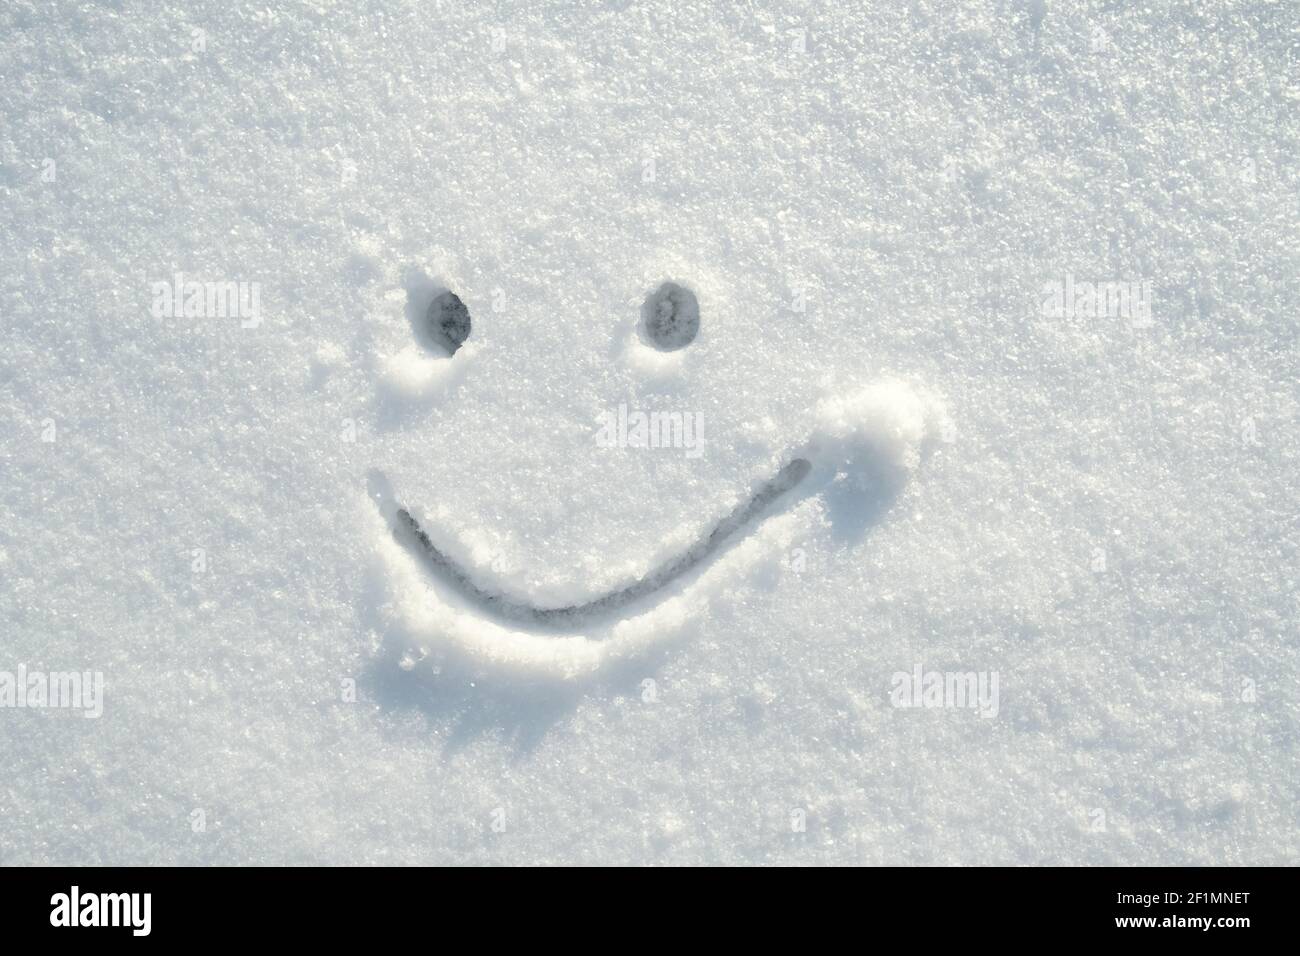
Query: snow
x=868, y=203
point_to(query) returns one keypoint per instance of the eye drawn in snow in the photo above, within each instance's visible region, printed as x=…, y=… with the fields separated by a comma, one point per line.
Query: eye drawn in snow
x=447, y=322
x=670, y=318
x=442, y=605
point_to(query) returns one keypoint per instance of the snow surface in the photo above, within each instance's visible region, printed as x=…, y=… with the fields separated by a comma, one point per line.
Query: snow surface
x=867, y=201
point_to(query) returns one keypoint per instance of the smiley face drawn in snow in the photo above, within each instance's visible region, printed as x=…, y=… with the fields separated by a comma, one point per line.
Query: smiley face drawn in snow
x=442, y=595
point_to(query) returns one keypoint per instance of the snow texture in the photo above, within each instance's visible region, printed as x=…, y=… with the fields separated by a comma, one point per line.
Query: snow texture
x=907, y=227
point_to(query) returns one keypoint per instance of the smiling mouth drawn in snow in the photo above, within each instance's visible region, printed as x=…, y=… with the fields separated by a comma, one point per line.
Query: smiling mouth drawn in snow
x=443, y=606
